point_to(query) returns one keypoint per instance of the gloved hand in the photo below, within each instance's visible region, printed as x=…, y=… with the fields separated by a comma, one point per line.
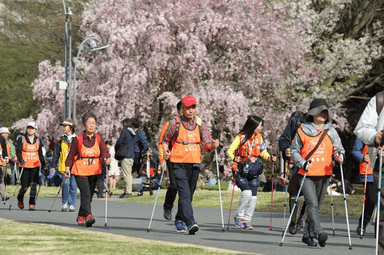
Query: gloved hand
x=307, y=165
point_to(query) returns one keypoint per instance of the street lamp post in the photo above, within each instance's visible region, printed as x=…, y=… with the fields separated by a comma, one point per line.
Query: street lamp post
x=92, y=44
x=68, y=62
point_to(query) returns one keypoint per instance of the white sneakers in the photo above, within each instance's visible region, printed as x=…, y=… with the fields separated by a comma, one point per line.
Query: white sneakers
x=65, y=208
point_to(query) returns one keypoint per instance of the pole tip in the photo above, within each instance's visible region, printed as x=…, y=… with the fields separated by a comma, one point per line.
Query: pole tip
x=148, y=230
x=350, y=247
x=223, y=229
x=9, y=207
x=281, y=244
x=105, y=225
x=49, y=210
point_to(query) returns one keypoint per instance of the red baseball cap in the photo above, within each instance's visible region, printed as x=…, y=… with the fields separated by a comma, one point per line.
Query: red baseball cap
x=189, y=101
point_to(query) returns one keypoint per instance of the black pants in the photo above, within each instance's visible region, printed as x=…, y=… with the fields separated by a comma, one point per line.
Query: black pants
x=370, y=202
x=87, y=185
x=170, y=196
x=186, y=176
x=29, y=177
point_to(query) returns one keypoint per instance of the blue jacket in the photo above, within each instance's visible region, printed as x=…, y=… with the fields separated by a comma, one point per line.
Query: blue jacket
x=127, y=137
x=140, y=143
x=289, y=133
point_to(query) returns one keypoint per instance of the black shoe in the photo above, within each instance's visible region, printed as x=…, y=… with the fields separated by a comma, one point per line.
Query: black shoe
x=358, y=231
x=167, y=214
x=125, y=195
x=292, y=228
x=322, y=238
x=193, y=228
x=309, y=241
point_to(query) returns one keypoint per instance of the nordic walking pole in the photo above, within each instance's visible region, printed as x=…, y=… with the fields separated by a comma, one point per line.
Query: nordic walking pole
x=362, y=213
x=333, y=218
x=378, y=201
x=283, y=166
x=230, y=207
x=218, y=180
x=345, y=204
x=294, y=206
x=14, y=194
x=273, y=167
x=106, y=197
x=57, y=195
x=154, y=205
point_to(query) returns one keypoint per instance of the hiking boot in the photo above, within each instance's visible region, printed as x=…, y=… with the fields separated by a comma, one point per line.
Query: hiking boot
x=81, y=220
x=89, y=220
x=247, y=225
x=32, y=207
x=167, y=213
x=309, y=241
x=179, y=226
x=71, y=208
x=292, y=228
x=239, y=222
x=322, y=238
x=193, y=228
x=125, y=195
x=64, y=208
x=20, y=204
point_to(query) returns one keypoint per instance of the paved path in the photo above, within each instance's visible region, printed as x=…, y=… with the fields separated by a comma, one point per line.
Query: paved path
x=132, y=219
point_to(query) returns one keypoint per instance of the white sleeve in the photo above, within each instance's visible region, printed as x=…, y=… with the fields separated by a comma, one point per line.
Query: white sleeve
x=366, y=128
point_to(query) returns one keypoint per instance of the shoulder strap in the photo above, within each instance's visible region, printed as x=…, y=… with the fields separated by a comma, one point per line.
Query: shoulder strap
x=98, y=139
x=317, y=145
x=379, y=102
x=198, y=121
x=79, y=141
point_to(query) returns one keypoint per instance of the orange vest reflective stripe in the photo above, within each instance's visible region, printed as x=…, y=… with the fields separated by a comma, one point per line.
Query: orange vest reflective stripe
x=165, y=126
x=321, y=159
x=244, y=149
x=30, y=154
x=8, y=152
x=88, y=163
x=186, y=147
x=365, y=165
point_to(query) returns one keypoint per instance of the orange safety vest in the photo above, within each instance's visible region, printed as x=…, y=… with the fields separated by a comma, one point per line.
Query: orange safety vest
x=165, y=126
x=321, y=159
x=365, y=165
x=30, y=154
x=244, y=151
x=4, y=163
x=88, y=163
x=186, y=147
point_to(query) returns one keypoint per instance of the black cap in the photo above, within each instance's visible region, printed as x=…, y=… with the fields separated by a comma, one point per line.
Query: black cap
x=317, y=106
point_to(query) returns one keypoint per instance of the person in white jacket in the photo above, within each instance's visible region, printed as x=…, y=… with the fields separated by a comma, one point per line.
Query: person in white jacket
x=369, y=130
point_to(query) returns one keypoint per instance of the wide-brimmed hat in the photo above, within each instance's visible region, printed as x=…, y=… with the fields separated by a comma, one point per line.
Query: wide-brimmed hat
x=32, y=124
x=317, y=106
x=68, y=123
x=4, y=130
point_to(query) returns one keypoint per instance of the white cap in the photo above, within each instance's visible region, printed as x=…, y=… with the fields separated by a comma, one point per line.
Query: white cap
x=4, y=130
x=32, y=124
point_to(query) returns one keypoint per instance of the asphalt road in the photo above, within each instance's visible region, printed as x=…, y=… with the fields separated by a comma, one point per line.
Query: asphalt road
x=132, y=219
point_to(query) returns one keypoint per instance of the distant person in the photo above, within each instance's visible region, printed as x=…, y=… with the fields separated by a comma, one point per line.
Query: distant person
x=141, y=145
x=30, y=156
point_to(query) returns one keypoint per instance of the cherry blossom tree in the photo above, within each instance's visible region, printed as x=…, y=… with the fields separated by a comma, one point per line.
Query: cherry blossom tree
x=236, y=57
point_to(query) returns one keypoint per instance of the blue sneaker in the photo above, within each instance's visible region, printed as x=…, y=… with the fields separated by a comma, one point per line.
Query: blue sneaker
x=193, y=228
x=179, y=226
x=239, y=222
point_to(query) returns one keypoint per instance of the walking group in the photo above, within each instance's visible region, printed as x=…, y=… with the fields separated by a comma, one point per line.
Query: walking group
x=310, y=150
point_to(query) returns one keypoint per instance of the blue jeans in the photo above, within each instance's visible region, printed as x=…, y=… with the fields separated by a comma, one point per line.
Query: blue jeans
x=69, y=191
x=314, y=189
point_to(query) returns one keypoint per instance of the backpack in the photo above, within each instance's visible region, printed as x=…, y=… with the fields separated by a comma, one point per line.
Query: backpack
x=379, y=102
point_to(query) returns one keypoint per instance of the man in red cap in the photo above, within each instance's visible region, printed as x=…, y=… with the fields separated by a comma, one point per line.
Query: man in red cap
x=185, y=134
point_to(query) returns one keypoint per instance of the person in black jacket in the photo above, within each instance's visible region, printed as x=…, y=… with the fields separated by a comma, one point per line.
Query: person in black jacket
x=127, y=139
x=285, y=140
x=30, y=156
